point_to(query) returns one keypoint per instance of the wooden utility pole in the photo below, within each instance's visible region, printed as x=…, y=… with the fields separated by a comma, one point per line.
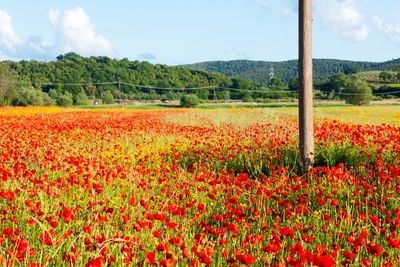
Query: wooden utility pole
x=306, y=130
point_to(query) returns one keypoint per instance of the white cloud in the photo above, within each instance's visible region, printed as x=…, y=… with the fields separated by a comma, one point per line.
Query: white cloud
x=392, y=31
x=73, y=32
x=53, y=16
x=76, y=33
x=342, y=18
x=8, y=39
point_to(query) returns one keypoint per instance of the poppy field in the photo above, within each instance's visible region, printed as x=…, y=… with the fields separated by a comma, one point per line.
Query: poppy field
x=187, y=188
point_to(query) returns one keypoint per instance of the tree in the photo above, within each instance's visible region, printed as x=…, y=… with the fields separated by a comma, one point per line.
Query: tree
x=98, y=72
x=275, y=82
x=385, y=75
x=28, y=96
x=294, y=84
x=81, y=99
x=107, y=97
x=47, y=100
x=358, y=92
x=189, y=100
x=91, y=90
x=351, y=70
x=7, y=88
x=338, y=82
x=224, y=95
x=203, y=94
x=398, y=76
x=64, y=100
x=53, y=94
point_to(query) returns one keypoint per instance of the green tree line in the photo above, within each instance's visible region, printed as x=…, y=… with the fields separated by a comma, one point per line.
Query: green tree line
x=259, y=71
x=46, y=83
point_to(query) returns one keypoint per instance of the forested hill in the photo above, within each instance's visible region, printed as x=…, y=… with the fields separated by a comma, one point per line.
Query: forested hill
x=259, y=71
x=72, y=68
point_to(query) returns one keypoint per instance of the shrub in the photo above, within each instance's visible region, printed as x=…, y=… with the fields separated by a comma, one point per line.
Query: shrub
x=28, y=97
x=53, y=94
x=358, y=92
x=107, y=97
x=65, y=100
x=189, y=100
x=203, y=94
x=47, y=100
x=82, y=99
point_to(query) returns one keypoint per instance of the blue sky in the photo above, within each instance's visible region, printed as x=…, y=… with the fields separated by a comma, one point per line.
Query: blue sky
x=187, y=31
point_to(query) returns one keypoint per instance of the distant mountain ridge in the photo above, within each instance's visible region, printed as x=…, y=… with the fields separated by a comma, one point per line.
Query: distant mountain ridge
x=259, y=71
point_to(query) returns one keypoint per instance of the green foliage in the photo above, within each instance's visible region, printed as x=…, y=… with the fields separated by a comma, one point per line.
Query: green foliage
x=258, y=71
x=358, y=92
x=338, y=82
x=72, y=68
x=107, y=97
x=7, y=87
x=202, y=94
x=389, y=90
x=293, y=84
x=275, y=82
x=64, y=100
x=82, y=99
x=47, y=100
x=351, y=70
x=385, y=76
x=223, y=95
x=53, y=94
x=247, y=97
x=372, y=75
x=28, y=96
x=189, y=100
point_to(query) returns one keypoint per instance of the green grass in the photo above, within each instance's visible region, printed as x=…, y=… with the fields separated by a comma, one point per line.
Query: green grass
x=393, y=85
x=144, y=106
x=211, y=106
x=369, y=114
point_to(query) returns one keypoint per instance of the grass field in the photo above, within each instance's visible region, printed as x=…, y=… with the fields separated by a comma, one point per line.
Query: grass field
x=202, y=187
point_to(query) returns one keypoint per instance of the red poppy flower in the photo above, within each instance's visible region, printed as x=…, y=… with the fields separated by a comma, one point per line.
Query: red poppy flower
x=97, y=262
x=323, y=261
x=286, y=231
x=271, y=248
x=175, y=241
x=167, y=263
x=245, y=259
x=150, y=257
x=160, y=247
x=307, y=238
x=394, y=243
x=349, y=255
x=233, y=227
x=7, y=232
x=375, y=220
x=297, y=248
x=374, y=250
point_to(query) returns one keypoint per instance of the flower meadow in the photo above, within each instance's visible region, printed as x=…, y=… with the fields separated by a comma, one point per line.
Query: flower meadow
x=177, y=188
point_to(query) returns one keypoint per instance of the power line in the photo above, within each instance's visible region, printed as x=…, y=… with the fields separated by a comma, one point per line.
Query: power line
x=169, y=88
x=154, y=87
x=188, y=88
x=258, y=91
x=343, y=93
